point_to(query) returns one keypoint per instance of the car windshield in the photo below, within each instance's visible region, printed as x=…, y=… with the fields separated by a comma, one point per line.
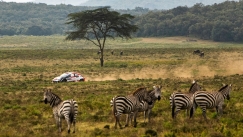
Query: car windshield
x=65, y=74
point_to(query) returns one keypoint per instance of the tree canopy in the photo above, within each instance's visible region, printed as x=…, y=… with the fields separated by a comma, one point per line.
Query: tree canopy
x=99, y=24
x=217, y=22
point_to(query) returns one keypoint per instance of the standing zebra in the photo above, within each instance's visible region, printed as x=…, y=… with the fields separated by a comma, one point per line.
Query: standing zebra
x=155, y=94
x=209, y=100
x=129, y=104
x=67, y=109
x=179, y=101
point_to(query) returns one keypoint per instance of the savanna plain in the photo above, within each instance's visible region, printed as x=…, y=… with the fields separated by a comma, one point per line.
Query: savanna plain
x=28, y=64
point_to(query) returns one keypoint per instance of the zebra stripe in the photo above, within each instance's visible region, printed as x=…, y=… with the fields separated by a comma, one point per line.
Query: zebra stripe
x=180, y=101
x=209, y=100
x=67, y=109
x=155, y=94
x=129, y=104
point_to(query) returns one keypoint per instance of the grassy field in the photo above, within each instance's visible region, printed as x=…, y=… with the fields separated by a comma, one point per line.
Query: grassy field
x=28, y=65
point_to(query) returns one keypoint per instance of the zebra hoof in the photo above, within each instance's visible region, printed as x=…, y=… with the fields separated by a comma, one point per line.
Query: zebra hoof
x=69, y=131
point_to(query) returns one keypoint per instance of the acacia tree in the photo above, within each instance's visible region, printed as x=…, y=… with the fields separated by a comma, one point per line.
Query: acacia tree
x=98, y=25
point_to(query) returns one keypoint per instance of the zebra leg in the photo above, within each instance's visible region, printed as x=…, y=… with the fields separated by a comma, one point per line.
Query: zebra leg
x=204, y=113
x=115, y=122
x=217, y=109
x=145, y=115
x=74, y=122
x=118, y=121
x=135, y=118
x=176, y=112
x=59, y=124
x=128, y=117
x=148, y=114
x=220, y=109
x=68, y=123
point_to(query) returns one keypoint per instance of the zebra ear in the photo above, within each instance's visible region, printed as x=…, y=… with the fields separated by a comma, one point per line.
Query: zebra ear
x=193, y=81
x=154, y=87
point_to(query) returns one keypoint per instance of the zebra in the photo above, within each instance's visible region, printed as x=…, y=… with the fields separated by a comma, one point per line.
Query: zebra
x=155, y=94
x=196, y=51
x=179, y=101
x=201, y=54
x=209, y=100
x=129, y=104
x=67, y=109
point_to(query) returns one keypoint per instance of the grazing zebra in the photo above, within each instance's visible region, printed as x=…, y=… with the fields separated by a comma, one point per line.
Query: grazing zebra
x=196, y=51
x=129, y=104
x=179, y=101
x=155, y=94
x=209, y=100
x=67, y=109
x=201, y=54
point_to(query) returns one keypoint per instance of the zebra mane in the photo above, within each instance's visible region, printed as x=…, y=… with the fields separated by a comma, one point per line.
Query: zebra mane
x=150, y=91
x=192, y=86
x=223, y=88
x=58, y=99
x=138, y=90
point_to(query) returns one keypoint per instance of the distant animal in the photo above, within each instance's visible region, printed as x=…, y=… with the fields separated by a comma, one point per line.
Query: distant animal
x=121, y=53
x=201, y=54
x=207, y=100
x=112, y=52
x=196, y=51
x=180, y=101
x=67, y=109
x=129, y=104
x=99, y=52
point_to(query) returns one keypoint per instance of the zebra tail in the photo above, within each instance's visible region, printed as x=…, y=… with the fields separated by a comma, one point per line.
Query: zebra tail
x=173, y=105
x=194, y=106
x=191, y=112
x=72, y=113
x=114, y=107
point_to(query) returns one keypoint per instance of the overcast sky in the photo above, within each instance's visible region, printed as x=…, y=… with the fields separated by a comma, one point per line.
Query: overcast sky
x=50, y=2
x=19, y=1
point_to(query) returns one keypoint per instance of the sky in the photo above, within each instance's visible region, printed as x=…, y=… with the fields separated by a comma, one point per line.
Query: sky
x=18, y=1
x=49, y=2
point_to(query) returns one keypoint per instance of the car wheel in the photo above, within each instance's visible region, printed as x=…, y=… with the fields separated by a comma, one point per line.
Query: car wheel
x=65, y=80
x=81, y=80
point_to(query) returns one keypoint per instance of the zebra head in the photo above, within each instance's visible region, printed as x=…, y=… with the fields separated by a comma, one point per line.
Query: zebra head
x=51, y=98
x=47, y=95
x=157, y=92
x=194, y=87
x=226, y=91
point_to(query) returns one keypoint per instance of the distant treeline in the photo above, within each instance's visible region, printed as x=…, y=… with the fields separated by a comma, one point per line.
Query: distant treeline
x=218, y=22
x=41, y=19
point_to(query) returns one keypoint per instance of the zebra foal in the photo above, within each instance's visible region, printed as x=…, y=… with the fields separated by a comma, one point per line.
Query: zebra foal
x=145, y=107
x=67, y=109
x=129, y=104
x=209, y=100
x=180, y=101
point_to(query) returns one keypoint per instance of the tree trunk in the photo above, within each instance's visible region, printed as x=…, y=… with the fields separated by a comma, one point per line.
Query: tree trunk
x=101, y=61
x=101, y=58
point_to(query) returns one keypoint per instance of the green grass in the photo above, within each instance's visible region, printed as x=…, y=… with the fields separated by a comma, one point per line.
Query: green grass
x=28, y=65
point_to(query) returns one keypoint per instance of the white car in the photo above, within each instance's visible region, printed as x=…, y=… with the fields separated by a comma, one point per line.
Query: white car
x=69, y=77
